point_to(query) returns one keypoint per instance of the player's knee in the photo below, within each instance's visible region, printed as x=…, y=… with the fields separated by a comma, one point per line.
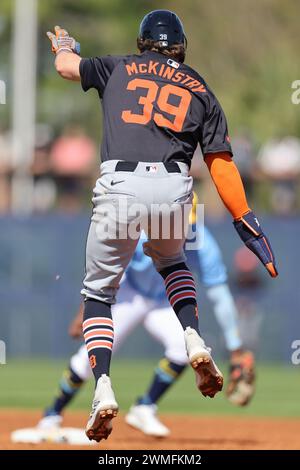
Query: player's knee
x=176, y=353
x=79, y=363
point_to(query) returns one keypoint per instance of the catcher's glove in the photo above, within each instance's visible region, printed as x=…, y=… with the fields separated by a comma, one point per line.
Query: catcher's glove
x=252, y=235
x=61, y=41
x=241, y=385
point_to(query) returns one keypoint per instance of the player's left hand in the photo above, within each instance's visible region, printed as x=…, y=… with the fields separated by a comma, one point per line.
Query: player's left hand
x=252, y=235
x=61, y=41
x=75, y=329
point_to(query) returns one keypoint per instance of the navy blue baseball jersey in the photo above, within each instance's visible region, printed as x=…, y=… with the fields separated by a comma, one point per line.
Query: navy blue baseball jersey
x=155, y=109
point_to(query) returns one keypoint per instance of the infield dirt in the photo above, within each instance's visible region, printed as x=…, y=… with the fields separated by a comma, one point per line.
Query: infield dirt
x=187, y=432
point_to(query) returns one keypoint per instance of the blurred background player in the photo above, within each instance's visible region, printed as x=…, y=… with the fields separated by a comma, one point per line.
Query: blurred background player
x=142, y=300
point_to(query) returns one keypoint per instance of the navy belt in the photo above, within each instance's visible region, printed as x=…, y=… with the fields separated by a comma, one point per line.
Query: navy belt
x=171, y=167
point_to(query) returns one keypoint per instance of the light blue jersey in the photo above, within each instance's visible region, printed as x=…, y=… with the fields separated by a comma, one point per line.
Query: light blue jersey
x=205, y=263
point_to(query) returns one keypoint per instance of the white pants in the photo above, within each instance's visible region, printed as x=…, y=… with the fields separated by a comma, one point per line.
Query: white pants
x=131, y=310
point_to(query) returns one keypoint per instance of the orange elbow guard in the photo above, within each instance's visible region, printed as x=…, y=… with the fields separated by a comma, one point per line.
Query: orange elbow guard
x=228, y=183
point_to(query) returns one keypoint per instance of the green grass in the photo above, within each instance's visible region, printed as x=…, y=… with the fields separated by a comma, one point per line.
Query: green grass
x=32, y=383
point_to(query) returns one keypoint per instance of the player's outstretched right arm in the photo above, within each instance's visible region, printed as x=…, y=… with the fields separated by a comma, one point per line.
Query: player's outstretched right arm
x=67, y=51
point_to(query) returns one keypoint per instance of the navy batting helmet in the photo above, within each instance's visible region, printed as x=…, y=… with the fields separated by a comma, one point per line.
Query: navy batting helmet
x=162, y=26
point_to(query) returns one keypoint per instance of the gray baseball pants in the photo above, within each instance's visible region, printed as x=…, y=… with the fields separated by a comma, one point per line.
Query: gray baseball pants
x=125, y=203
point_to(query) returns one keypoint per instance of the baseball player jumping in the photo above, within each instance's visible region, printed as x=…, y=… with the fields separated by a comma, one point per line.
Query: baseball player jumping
x=156, y=109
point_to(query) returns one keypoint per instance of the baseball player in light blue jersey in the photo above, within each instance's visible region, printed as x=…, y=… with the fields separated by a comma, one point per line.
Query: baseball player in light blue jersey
x=142, y=300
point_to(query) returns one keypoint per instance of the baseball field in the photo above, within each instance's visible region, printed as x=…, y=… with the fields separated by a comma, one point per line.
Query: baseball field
x=271, y=421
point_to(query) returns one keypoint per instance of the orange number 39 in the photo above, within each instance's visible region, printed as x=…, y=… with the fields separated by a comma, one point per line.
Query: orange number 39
x=179, y=112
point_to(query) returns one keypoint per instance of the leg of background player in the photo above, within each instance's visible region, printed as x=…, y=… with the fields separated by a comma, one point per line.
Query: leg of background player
x=143, y=414
x=213, y=274
x=73, y=378
x=69, y=385
x=241, y=385
x=163, y=325
x=165, y=374
x=226, y=315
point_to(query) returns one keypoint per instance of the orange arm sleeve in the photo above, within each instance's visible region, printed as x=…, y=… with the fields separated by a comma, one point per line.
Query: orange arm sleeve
x=228, y=182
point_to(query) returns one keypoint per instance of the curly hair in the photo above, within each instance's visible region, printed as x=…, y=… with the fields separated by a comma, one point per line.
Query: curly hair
x=176, y=51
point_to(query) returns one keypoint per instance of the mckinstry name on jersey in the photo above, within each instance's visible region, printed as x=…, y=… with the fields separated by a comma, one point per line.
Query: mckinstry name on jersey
x=167, y=71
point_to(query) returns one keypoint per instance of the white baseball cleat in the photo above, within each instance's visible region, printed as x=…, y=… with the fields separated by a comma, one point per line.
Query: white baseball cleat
x=104, y=409
x=50, y=422
x=209, y=378
x=144, y=418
